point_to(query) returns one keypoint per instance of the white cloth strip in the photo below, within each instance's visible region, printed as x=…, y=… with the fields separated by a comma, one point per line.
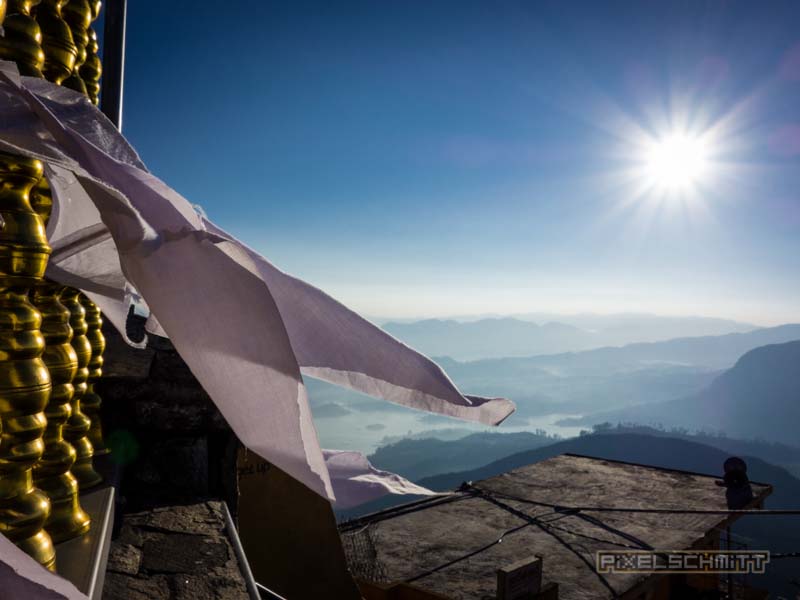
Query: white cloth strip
x=244, y=328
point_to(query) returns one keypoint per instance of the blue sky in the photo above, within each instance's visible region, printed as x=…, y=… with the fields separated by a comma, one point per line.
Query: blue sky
x=445, y=158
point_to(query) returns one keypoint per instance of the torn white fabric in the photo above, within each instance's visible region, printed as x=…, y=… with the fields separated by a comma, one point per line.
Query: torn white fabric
x=244, y=328
x=356, y=481
x=335, y=344
x=21, y=577
x=84, y=254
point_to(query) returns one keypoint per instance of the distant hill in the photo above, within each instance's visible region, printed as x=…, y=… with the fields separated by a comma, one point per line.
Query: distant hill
x=536, y=392
x=625, y=328
x=610, y=379
x=490, y=337
x=583, y=384
x=777, y=453
x=541, y=394
x=711, y=352
x=417, y=458
x=660, y=451
x=508, y=336
x=758, y=398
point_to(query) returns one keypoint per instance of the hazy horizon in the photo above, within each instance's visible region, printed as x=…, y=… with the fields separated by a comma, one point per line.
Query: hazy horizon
x=543, y=316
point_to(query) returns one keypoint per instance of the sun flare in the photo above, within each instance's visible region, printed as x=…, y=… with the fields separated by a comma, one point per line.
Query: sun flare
x=676, y=162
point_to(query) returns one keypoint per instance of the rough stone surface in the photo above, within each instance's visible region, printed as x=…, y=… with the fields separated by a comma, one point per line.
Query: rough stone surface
x=180, y=519
x=181, y=553
x=172, y=442
x=122, y=587
x=171, y=451
x=124, y=558
x=130, y=536
x=174, y=553
x=200, y=588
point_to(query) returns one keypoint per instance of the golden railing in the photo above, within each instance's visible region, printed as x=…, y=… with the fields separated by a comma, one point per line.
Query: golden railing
x=51, y=345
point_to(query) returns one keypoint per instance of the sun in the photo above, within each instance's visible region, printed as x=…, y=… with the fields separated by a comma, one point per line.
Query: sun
x=676, y=162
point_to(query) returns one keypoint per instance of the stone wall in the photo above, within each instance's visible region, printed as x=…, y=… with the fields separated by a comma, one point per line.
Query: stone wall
x=170, y=445
x=174, y=553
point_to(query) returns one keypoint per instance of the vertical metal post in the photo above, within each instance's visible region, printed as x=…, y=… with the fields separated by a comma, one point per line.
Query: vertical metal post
x=113, y=61
x=730, y=575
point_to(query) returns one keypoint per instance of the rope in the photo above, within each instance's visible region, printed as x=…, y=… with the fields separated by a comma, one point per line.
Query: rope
x=554, y=535
x=473, y=552
x=470, y=491
x=671, y=511
x=405, y=509
x=594, y=539
x=624, y=535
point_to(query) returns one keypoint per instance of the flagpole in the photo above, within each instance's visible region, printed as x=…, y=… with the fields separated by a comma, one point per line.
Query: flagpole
x=113, y=61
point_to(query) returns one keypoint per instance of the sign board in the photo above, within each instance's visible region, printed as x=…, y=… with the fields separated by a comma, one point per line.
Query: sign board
x=521, y=580
x=289, y=534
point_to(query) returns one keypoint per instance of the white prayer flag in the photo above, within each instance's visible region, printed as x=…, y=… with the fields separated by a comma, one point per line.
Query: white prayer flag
x=245, y=329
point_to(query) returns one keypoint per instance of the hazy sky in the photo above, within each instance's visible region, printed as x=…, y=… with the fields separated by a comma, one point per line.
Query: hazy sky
x=435, y=158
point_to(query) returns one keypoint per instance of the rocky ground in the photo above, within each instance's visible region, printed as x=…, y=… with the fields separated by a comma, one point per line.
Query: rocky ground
x=174, y=553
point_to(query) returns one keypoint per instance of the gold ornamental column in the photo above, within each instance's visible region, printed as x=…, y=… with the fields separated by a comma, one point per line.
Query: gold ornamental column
x=61, y=56
x=91, y=400
x=60, y=52
x=22, y=41
x=92, y=69
x=78, y=15
x=24, y=379
x=76, y=431
x=52, y=474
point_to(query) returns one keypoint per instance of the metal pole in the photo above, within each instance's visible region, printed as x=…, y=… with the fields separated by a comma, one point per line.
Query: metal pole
x=730, y=575
x=113, y=61
x=233, y=537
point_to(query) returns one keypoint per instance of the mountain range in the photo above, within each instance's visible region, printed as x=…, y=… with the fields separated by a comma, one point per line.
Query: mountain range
x=508, y=336
x=490, y=337
x=561, y=392
x=745, y=384
x=709, y=352
x=758, y=398
x=418, y=458
x=611, y=378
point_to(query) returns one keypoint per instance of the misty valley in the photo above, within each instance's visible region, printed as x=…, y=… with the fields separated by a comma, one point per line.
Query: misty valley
x=741, y=383
x=682, y=402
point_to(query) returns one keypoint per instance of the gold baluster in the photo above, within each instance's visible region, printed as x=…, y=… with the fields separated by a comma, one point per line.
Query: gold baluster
x=24, y=379
x=22, y=41
x=78, y=15
x=91, y=400
x=41, y=200
x=61, y=56
x=52, y=473
x=92, y=69
x=60, y=52
x=77, y=428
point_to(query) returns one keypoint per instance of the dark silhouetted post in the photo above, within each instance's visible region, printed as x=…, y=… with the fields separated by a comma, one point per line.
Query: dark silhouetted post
x=113, y=61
